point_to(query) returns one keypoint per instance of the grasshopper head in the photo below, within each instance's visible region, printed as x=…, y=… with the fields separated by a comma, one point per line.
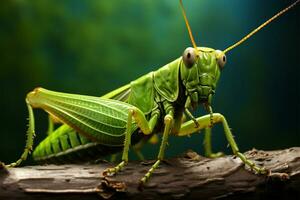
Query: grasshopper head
x=202, y=66
x=200, y=72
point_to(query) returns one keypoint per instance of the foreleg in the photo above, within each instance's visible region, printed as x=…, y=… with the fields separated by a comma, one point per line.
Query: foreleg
x=205, y=122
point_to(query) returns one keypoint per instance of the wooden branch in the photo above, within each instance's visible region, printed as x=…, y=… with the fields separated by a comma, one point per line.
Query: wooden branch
x=188, y=177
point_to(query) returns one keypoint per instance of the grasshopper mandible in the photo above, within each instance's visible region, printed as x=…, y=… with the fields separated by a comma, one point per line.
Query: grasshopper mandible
x=154, y=103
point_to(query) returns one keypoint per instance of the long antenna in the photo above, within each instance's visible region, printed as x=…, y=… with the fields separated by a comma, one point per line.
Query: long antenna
x=188, y=26
x=260, y=27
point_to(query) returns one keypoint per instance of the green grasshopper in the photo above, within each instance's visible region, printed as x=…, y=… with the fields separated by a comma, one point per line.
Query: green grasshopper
x=154, y=103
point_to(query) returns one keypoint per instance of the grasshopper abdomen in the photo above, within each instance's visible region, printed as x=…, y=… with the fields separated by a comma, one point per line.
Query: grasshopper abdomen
x=65, y=145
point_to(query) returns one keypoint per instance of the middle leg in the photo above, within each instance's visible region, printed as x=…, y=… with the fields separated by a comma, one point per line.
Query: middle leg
x=168, y=121
x=145, y=126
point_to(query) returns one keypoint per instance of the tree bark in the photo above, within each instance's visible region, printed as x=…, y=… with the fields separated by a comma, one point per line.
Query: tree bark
x=189, y=176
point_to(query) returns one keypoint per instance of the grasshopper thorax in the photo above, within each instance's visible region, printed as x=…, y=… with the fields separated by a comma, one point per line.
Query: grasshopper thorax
x=200, y=72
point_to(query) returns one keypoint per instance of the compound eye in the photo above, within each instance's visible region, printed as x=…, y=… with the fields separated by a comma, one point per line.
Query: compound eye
x=189, y=57
x=221, y=59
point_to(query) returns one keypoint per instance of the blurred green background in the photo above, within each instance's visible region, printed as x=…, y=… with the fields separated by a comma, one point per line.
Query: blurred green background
x=92, y=47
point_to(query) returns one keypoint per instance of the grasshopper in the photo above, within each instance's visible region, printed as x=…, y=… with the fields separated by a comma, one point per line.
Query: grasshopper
x=154, y=103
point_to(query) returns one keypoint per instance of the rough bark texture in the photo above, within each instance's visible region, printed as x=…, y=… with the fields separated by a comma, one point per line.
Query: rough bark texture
x=188, y=177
